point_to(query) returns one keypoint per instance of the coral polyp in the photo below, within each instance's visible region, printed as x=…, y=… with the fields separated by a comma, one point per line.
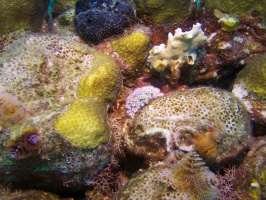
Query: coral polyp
x=29, y=142
x=11, y=110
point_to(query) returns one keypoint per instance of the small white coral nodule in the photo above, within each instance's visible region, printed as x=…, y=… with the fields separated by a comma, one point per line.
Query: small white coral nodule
x=181, y=46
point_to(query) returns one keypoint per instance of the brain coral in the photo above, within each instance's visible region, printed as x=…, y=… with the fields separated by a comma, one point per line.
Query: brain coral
x=181, y=176
x=134, y=48
x=15, y=15
x=208, y=120
x=97, y=20
x=164, y=11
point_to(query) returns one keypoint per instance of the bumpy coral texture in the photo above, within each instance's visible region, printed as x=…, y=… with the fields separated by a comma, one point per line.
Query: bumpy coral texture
x=189, y=119
x=15, y=15
x=238, y=7
x=254, y=76
x=134, y=49
x=103, y=81
x=84, y=123
x=44, y=68
x=164, y=11
x=139, y=98
x=98, y=20
x=181, y=176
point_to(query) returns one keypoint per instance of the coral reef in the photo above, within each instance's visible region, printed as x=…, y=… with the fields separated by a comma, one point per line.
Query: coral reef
x=98, y=20
x=163, y=12
x=249, y=86
x=181, y=176
x=37, y=156
x=85, y=123
x=250, y=179
x=238, y=7
x=43, y=70
x=226, y=53
x=134, y=48
x=139, y=98
x=16, y=15
x=181, y=46
x=211, y=121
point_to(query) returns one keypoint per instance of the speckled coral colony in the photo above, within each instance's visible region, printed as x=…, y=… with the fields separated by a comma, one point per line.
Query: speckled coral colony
x=132, y=99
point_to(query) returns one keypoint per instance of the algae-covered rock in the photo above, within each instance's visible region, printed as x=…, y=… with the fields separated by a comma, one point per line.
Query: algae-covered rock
x=238, y=7
x=164, y=11
x=210, y=121
x=251, y=176
x=40, y=75
x=249, y=86
x=134, y=49
x=16, y=14
x=44, y=69
x=85, y=123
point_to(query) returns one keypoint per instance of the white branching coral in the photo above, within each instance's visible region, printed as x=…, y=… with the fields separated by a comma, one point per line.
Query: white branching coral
x=139, y=98
x=181, y=46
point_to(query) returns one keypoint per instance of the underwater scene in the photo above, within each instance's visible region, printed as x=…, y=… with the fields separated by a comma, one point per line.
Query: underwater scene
x=132, y=99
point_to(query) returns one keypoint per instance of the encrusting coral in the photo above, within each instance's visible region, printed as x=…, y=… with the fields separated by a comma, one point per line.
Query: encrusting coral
x=180, y=176
x=134, y=49
x=211, y=121
x=181, y=46
x=85, y=123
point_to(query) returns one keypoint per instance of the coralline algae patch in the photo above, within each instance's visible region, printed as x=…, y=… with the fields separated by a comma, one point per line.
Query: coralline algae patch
x=44, y=69
x=180, y=176
x=211, y=121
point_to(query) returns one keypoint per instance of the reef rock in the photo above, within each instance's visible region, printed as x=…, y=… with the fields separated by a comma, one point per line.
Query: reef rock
x=250, y=87
x=164, y=11
x=54, y=97
x=250, y=179
x=97, y=20
x=22, y=15
x=210, y=121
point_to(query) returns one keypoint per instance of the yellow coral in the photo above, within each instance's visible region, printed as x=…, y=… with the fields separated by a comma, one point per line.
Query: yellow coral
x=85, y=123
x=134, y=48
x=103, y=81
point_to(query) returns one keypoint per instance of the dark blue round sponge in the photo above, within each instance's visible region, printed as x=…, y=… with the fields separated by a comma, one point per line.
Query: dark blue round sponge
x=96, y=20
